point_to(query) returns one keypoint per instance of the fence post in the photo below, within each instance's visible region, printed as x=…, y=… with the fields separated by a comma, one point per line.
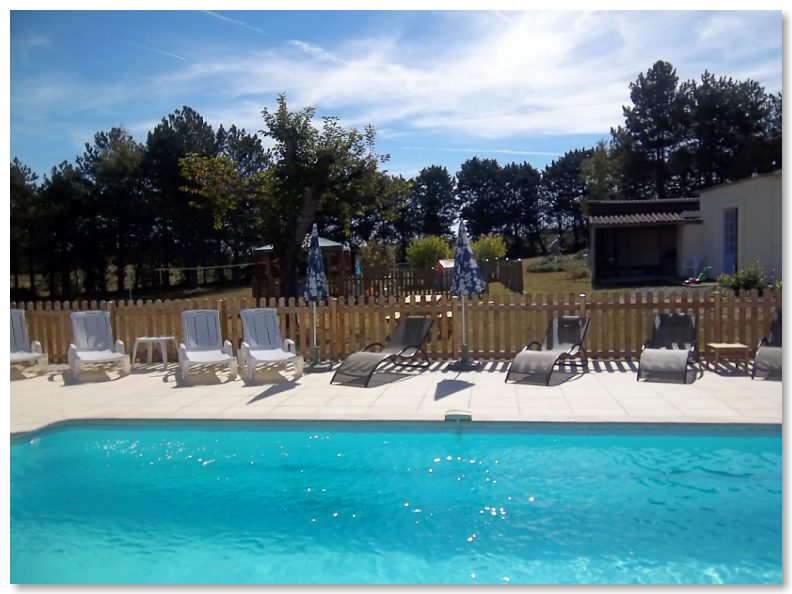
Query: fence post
x=335, y=338
x=110, y=307
x=221, y=308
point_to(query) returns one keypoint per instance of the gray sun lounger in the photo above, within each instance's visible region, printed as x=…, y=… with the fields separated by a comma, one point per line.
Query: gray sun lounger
x=668, y=353
x=563, y=341
x=768, y=359
x=401, y=348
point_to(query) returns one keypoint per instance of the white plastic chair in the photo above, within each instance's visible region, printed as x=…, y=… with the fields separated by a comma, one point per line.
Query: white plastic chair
x=693, y=265
x=262, y=345
x=202, y=347
x=92, y=343
x=22, y=350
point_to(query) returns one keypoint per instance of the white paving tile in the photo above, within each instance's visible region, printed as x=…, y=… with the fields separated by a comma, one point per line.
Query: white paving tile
x=598, y=395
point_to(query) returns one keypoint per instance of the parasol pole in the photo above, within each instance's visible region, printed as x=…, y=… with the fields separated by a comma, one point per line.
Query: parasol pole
x=464, y=347
x=314, y=348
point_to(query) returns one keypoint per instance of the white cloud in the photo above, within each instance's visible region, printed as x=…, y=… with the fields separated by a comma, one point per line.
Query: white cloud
x=471, y=75
x=503, y=74
x=221, y=17
x=25, y=43
x=158, y=51
x=479, y=151
x=31, y=39
x=313, y=50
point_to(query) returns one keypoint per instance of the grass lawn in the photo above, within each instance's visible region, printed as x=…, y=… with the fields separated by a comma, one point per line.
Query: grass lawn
x=543, y=275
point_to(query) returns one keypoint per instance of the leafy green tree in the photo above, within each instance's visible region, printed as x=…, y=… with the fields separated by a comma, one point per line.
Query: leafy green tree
x=769, y=153
x=242, y=225
x=315, y=172
x=425, y=251
x=183, y=236
x=244, y=149
x=600, y=173
x=656, y=125
x=489, y=247
x=67, y=226
x=112, y=169
x=433, y=201
x=23, y=198
x=479, y=195
x=632, y=168
x=217, y=183
x=521, y=208
x=563, y=193
x=390, y=218
x=678, y=138
x=232, y=197
x=732, y=125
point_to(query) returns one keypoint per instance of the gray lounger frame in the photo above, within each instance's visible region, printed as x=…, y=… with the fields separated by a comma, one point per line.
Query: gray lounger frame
x=555, y=349
x=672, y=335
x=768, y=356
x=403, y=346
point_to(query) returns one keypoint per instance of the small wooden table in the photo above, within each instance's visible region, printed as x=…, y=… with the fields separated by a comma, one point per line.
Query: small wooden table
x=150, y=341
x=726, y=350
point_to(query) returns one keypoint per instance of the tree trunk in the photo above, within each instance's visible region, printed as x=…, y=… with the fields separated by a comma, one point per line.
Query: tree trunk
x=163, y=276
x=120, y=272
x=289, y=272
x=32, y=275
x=66, y=284
x=52, y=282
x=289, y=260
x=15, y=268
x=102, y=276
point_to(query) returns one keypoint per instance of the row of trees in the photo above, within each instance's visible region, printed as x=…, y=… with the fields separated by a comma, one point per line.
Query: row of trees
x=193, y=196
x=678, y=138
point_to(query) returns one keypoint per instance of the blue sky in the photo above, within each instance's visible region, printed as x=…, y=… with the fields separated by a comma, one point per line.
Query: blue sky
x=439, y=86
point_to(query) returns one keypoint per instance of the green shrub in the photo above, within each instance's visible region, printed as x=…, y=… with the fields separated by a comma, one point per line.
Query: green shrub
x=489, y=247
x=749, y=277
x=376, y=256
x=425, y=251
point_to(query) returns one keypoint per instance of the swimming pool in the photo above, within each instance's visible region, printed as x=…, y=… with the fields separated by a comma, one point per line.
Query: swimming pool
x=374, y=503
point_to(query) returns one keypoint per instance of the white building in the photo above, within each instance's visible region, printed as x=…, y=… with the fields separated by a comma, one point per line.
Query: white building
x=726, y=228
x=741, y=225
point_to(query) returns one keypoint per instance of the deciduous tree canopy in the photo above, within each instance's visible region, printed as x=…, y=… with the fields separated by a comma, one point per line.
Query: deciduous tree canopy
x=193, y=196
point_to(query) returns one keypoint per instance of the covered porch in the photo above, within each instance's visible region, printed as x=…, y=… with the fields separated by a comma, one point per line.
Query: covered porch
x=639, y=240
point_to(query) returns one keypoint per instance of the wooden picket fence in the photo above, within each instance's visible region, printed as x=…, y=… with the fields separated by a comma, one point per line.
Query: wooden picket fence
x=497, y=327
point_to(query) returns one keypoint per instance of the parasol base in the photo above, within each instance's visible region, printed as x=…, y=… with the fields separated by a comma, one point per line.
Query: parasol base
x=318, y=367
x=464, y=365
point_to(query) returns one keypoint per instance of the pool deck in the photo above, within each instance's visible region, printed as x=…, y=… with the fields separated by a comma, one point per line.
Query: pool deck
x=606, y=392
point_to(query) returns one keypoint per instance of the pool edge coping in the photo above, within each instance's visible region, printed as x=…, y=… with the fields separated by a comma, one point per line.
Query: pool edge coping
x=657, y=426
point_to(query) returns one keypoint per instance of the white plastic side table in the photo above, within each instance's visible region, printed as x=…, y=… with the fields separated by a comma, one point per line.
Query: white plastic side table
x=150, y=341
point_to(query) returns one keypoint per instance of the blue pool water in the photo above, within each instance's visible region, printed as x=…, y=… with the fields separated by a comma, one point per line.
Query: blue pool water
x=391, y=503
